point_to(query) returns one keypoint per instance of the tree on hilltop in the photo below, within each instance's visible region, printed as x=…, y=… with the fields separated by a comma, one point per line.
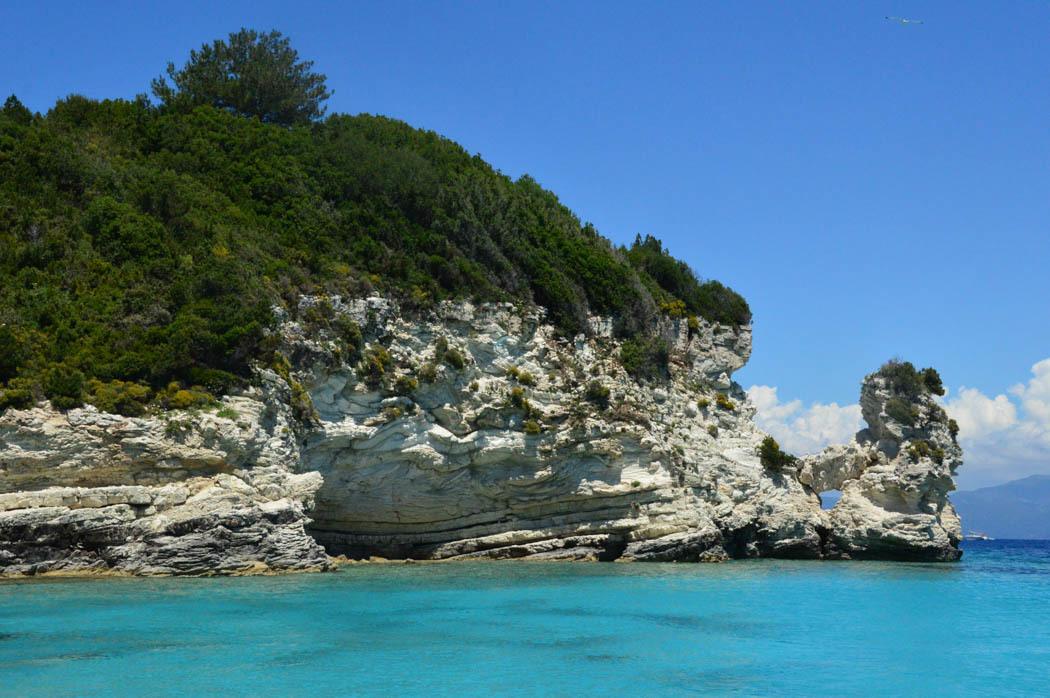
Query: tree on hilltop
x=252, y=74
x=16, y=111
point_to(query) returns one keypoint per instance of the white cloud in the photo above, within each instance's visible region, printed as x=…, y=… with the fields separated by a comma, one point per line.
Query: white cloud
x=979, y=415
x=1035, y=396
x=1007, y=436
x=802, y=429
x=769, y=406
x=1004, y=436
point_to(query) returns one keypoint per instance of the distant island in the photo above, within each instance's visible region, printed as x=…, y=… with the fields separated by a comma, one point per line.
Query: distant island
x=1016, y=509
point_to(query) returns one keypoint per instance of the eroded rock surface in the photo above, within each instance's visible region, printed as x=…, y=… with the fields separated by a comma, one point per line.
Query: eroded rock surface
x=895, y=479
x=463, y=432
x=87, y=492
x=518, y=453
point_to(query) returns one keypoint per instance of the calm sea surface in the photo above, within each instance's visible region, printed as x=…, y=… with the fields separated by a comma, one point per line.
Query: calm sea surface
x=980, y=627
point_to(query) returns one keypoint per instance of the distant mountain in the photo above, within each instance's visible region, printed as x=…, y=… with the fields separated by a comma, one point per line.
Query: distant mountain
x=1017, y=509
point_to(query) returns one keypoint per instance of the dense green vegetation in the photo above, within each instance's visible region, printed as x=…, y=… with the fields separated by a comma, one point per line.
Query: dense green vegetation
x=904, y=379
x=144, y=245
x=674, y=285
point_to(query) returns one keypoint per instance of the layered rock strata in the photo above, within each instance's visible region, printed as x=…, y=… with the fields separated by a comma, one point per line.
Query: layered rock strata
x=185, y=493
x=541, y=447
x=463, y=432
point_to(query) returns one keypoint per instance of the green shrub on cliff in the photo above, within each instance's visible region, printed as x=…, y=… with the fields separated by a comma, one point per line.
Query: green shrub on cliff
x=902, y=378
x=597, y=393
x=517, y=398
x=772, y=457
x=645, y=357
x=454, y=358
x=723, y=402
x=12, y=353
x=526, y=378
x=374, y=365
x=64, y=386
x=178, y=397
x=922, y=448
x=428, y=373
x=17, y=394
x=405, y=385
x=119, y=397
x=350, y=332
x=902, y=411
x=148, y=244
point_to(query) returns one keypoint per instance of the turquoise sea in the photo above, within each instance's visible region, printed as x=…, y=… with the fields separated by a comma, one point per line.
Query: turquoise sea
x=980, y=627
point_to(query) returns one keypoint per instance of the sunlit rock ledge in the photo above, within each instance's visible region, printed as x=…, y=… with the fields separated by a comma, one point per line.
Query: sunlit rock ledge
x=468, y=431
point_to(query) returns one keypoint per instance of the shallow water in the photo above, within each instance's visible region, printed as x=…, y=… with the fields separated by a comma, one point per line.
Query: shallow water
x=979, y=627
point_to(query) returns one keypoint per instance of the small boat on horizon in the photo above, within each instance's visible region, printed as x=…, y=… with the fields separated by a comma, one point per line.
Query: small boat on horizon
x=977, y=535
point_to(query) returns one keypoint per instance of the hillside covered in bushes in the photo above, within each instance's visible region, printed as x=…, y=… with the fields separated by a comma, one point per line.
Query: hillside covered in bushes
x=146, y=243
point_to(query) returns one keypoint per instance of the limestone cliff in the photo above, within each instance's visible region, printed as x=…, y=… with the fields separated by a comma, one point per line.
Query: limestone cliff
x=466, y=431
x=182, y=493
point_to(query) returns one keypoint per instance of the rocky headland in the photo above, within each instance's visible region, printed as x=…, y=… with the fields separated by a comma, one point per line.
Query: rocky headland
x=461, y=432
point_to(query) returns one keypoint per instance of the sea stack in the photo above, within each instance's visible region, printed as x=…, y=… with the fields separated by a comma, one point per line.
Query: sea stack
x=896, y=475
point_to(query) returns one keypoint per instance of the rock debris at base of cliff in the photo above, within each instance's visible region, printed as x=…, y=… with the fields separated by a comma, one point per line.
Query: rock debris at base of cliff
x=469, y=431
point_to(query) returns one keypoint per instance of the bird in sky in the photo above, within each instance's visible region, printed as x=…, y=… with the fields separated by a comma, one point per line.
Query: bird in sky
x=904, y=20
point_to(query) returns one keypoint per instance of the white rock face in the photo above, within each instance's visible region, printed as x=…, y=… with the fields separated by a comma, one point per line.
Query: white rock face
x=87, y=492
x=451, y=470
x=477, y=432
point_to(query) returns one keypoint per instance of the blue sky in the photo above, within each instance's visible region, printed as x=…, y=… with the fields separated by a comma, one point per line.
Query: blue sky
x=873, y=189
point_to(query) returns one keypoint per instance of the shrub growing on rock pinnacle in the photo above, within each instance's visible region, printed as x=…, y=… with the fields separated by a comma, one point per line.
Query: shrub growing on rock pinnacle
x=902, y=411
x=922, y=448
x=772, y=457
x=252, y=74
x=932, y=379
x=904, y=379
